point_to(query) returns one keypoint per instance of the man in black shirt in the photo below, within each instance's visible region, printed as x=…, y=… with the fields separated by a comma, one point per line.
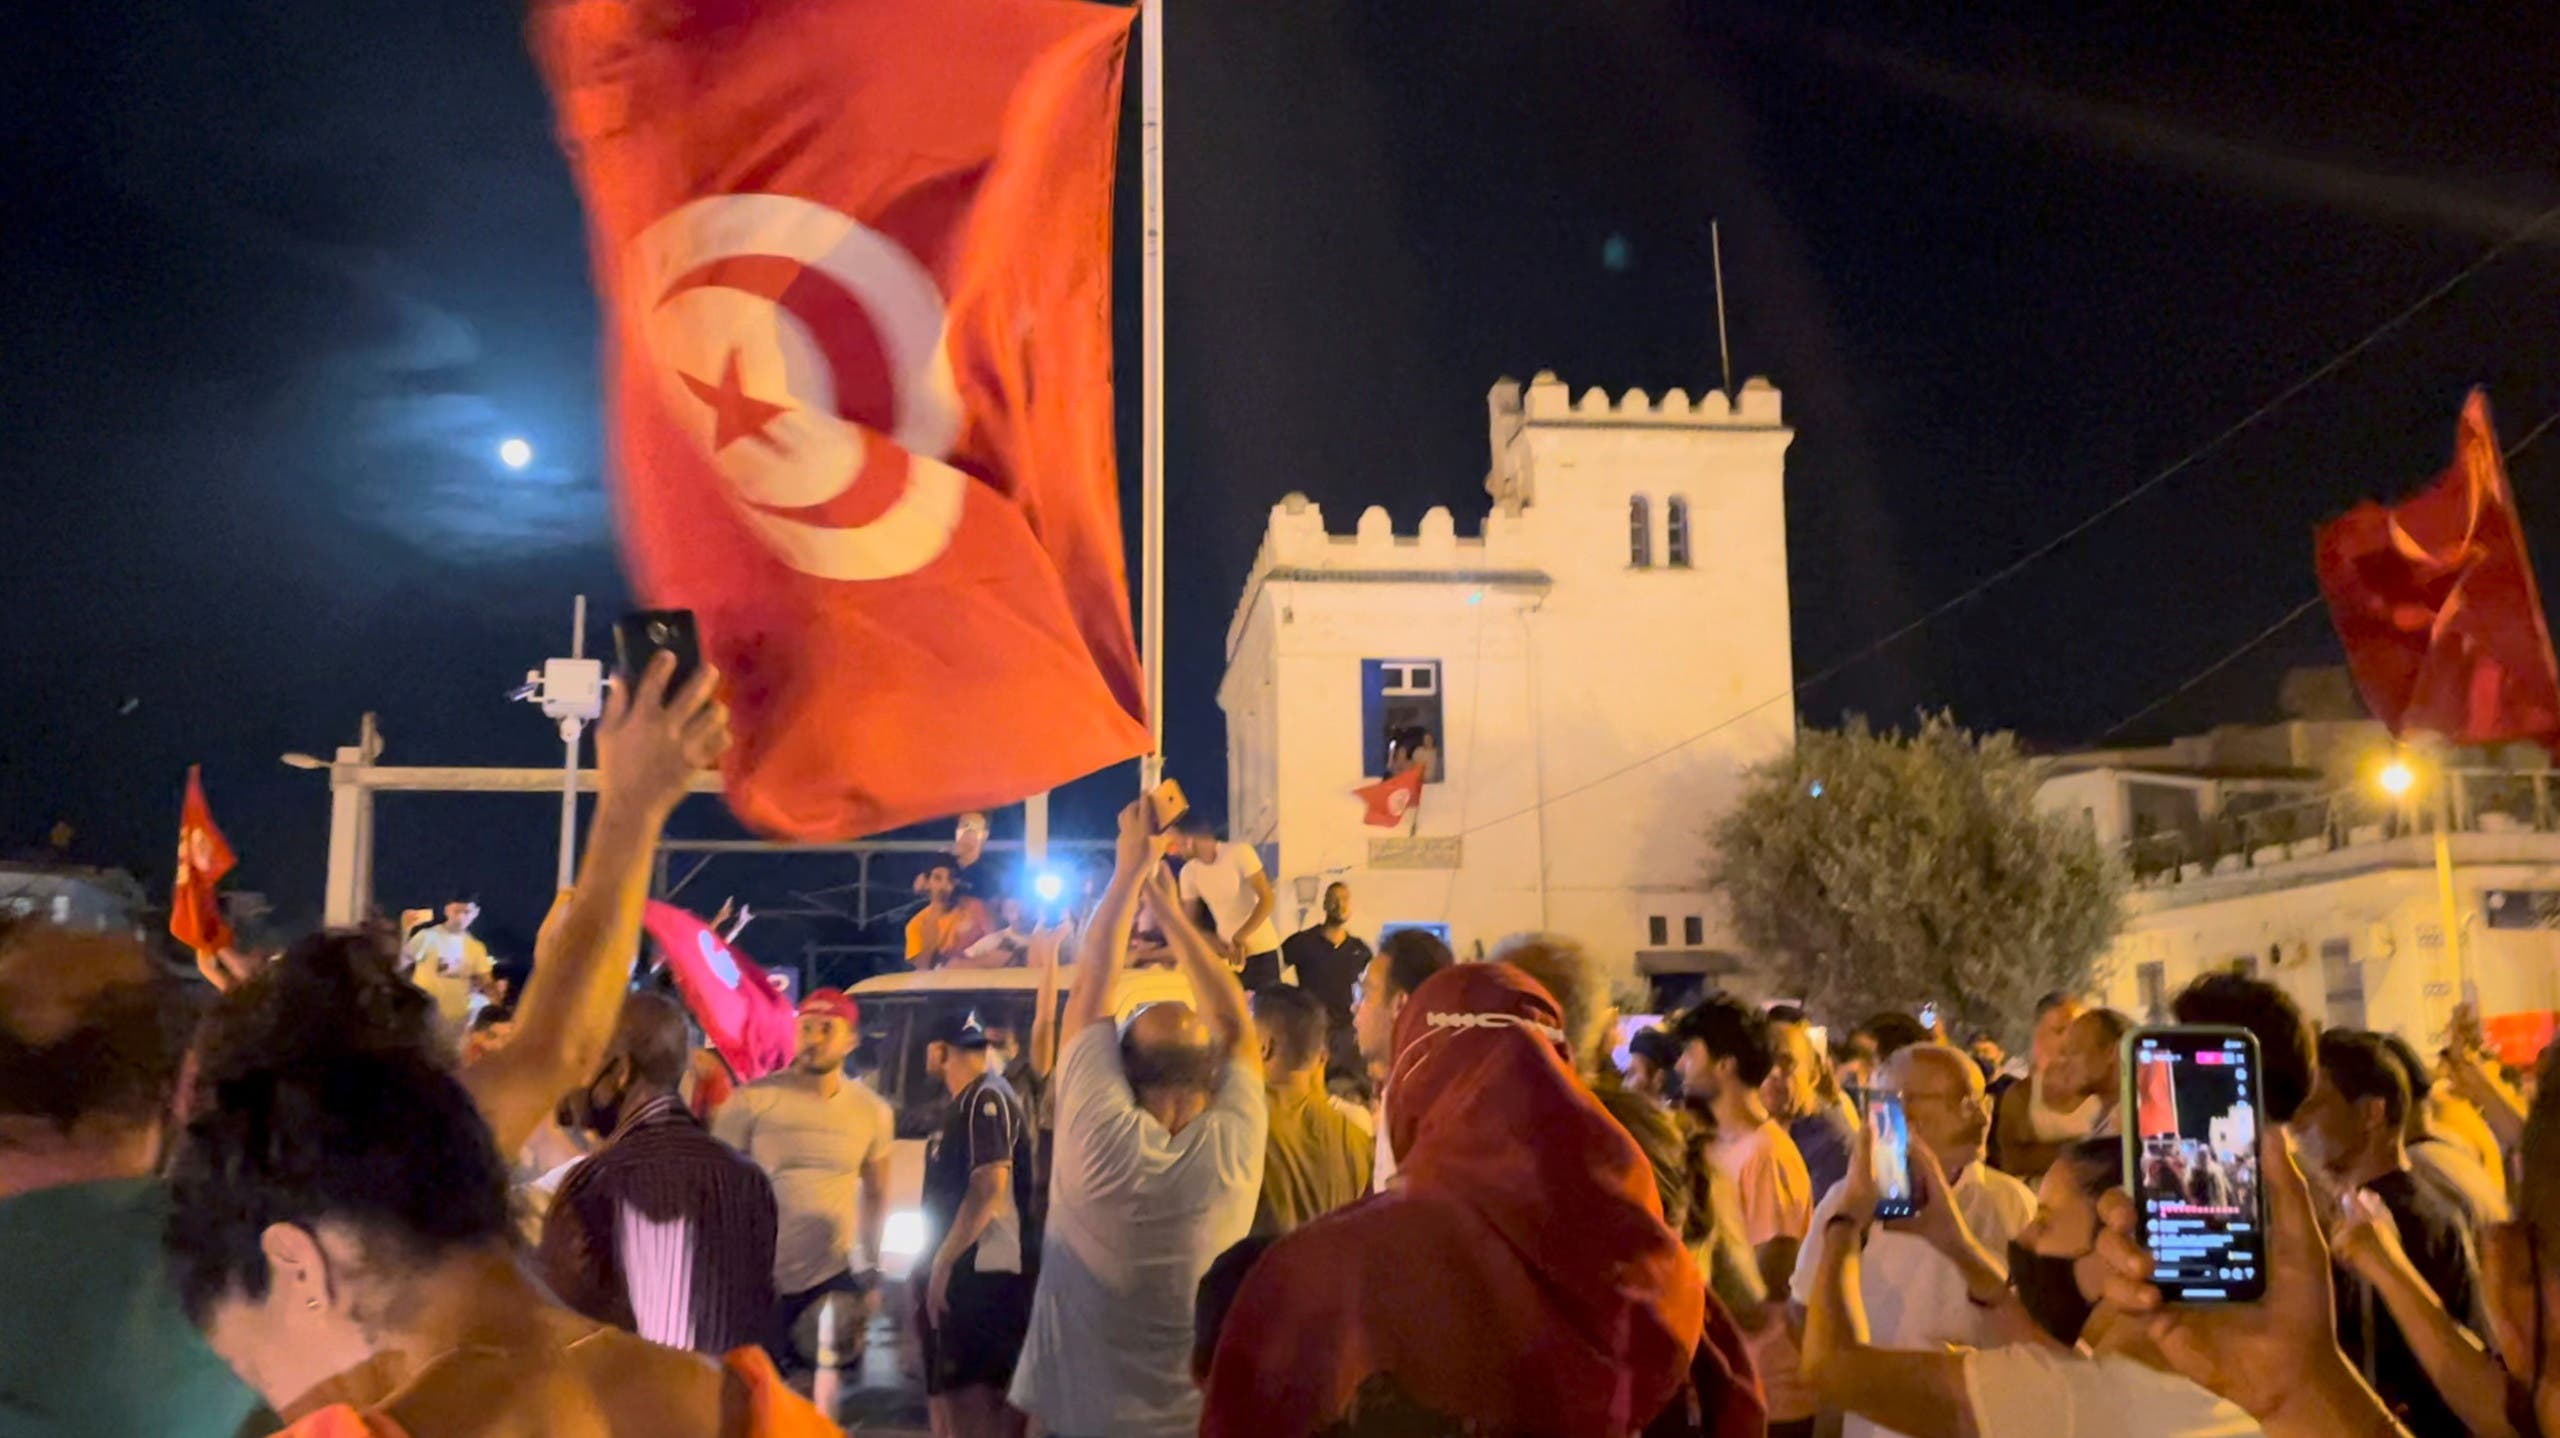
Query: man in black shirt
x=2350, y=1131
x=1329, y=961
x=977, y=1195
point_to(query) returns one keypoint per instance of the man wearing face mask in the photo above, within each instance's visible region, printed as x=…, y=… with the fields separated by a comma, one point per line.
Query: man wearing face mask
x=1919, y=1285
x=664, y=1230
x=2115, y=1383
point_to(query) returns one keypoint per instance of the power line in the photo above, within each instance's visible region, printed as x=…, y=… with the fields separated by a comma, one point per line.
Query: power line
x=2335, y=363
x=2299, y=610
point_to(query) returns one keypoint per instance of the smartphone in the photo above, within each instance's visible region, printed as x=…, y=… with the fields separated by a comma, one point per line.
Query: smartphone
x=639, y=635
x=1166, y=805
x=1890, y=1134
x=2190, y=1108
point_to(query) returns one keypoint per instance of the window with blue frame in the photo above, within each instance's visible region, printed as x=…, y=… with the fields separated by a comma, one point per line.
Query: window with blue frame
x=1400, y=718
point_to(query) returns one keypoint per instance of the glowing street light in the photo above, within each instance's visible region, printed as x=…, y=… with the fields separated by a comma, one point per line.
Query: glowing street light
x=515, y=452
x=2397, y=778
x=1049, y=887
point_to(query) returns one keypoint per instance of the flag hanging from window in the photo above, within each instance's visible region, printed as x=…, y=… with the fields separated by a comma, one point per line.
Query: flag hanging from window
x=204, y=856
x=854, y=258
x=2435, y=602
x=1392, y=800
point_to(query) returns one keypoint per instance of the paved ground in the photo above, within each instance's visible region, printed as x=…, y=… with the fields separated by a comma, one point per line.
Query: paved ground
x=883, y=1402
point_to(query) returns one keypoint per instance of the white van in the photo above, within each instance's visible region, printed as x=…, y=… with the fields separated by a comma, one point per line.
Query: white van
x=899, y=1010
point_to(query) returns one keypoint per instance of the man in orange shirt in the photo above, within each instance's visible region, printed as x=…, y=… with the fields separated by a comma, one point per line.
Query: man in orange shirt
x=949, y=922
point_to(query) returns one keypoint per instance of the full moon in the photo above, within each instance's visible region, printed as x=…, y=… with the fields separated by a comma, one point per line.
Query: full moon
x=515, y=453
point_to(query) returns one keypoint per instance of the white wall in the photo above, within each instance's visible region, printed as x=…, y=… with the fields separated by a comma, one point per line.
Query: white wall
x=2381, y=900
x=1568, y=676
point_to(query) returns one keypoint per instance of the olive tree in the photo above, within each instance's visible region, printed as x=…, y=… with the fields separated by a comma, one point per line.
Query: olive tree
x=1873, y=871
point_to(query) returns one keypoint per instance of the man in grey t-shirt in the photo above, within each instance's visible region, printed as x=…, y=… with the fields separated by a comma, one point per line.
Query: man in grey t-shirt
x=1159, y=1164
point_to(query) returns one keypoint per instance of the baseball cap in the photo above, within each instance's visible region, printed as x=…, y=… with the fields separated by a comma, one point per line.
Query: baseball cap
x=961, y=1031
x=834, y=1004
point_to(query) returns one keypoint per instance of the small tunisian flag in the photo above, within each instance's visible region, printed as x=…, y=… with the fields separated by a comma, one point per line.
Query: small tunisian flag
x=2155, y=1110
x=2436, y=604
x=1391, y=799
x=741, y=1012
x=855, y=261
x=204, y=856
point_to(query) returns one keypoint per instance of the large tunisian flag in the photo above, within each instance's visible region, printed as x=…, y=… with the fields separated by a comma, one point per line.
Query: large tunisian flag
x=855, y=261
x=741, y=1012
x=204, y=856
x=2436, y=603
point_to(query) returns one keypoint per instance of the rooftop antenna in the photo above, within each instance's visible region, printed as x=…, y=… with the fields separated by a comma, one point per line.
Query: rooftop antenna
x=1724, y=346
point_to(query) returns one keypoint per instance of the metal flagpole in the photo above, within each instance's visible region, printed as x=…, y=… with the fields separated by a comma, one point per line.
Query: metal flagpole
x=1151, y=531
x=1724, y=347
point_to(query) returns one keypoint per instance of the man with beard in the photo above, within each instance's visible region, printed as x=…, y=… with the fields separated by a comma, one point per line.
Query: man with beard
x=664, y=1230
x=1918, y=1286
x=824, y=1141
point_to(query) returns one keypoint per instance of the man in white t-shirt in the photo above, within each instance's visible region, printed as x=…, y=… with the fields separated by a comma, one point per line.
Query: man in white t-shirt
x=451, y=965
x=1228, y=879
x=1158, y=1169
x=1916, y=1296
x=824, y=1141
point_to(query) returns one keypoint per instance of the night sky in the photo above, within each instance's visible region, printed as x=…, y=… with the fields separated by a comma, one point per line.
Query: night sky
x=282, y=275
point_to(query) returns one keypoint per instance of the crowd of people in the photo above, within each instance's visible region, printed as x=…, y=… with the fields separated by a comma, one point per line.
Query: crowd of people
x=1339, y=1191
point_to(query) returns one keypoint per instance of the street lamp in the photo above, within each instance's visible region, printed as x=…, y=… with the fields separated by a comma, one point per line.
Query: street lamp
x=2398, y=778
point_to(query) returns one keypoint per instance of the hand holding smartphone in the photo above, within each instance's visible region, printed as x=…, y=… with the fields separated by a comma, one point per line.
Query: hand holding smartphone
x=1166, y=805
x=1889, y=1134
x=2190, y=1109
x=639, y=635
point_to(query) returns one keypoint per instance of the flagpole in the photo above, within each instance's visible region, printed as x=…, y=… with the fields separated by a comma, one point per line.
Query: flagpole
x=1151, y=531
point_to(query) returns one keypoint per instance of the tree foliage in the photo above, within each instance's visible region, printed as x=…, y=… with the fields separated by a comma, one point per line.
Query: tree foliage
x=1883, y=871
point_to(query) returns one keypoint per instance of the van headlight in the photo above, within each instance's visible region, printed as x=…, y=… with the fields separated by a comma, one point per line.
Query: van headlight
x=903, y=1234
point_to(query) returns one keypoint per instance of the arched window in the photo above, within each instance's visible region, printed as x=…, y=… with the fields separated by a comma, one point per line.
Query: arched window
x=1639, y=533
x=1676, y=517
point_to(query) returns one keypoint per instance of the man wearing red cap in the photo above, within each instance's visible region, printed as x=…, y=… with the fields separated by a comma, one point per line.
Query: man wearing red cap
x=824, y=1141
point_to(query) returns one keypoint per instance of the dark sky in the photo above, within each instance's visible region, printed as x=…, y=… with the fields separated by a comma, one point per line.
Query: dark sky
x=282, y=275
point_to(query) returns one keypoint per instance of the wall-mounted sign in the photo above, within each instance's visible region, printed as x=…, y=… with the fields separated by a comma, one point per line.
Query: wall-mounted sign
x=1428, y=851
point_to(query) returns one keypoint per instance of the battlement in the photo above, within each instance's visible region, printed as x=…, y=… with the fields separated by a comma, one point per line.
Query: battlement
x=1297, y=546
x=1514, y=409
x=1546, y=398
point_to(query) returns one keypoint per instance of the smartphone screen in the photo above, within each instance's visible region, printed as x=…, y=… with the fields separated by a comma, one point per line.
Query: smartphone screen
x=2191, y=1160
x=1890, y=1134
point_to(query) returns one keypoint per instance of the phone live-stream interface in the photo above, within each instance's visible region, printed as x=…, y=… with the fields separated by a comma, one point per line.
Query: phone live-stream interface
x=2195, y=1164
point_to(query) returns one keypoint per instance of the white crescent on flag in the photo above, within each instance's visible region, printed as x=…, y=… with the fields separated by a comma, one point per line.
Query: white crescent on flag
x=759, y=310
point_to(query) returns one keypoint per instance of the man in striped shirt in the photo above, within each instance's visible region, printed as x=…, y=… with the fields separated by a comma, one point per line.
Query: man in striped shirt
x=664, y=1230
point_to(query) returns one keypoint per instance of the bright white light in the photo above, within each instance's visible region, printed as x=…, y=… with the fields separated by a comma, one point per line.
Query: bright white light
x=903, y=1234
x=2397, y=778
x=515, y=453
x=1048, y=887
x=1814, y=789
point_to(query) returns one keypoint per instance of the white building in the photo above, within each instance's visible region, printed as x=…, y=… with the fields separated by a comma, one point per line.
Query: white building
x=1593, y=671
x=2267, y=851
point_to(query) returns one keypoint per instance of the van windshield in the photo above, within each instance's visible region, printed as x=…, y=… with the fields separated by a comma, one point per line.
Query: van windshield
x=895, y=1028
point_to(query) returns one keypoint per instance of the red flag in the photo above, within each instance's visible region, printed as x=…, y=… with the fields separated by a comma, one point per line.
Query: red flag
x=746, y=1018
x=2436, y=604
x=2155, y=1112
x=204, y=856
x=1390, y=800
x=855, y=261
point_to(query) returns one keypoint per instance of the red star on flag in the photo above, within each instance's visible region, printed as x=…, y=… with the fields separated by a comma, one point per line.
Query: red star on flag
x=735, y=414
